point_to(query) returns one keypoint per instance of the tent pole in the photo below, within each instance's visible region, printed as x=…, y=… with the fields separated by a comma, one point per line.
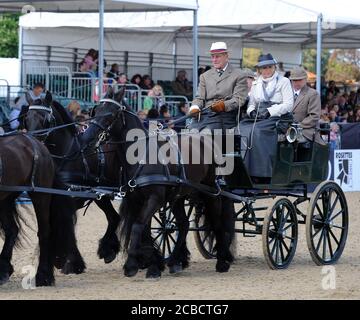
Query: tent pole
x=101, y=47
x=20, y=56
x=195, y=53
x=318, y=54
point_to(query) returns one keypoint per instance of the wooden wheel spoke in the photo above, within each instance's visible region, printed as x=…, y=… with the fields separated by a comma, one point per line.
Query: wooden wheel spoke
x=319, y=211
x=334, y=237
x=172, y=238
x=273, y=248
x=324, y=245
x=334, y=205
x=285, y=246
x=157, y=236
x=168, y=245
x=289, y=226
x=320, y=240
x=281, y=252
x=337, y=227
x=316, y=233
x=336, y=215
x=330, y=246
x=274, y=223
x=158, y=220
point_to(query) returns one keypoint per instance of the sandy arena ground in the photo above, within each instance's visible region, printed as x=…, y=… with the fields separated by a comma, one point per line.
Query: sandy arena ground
x=249, y=277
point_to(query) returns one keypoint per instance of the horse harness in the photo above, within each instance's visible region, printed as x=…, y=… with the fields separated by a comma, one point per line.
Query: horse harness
x=138, y=180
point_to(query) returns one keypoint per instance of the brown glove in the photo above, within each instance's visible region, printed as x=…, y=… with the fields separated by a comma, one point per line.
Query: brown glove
x=194, y=110
x=218, y=106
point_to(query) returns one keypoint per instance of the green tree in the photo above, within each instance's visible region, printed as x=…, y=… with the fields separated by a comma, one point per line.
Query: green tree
x=250, y=57
x=9, y=39
x=309, y=60
x=343, y=65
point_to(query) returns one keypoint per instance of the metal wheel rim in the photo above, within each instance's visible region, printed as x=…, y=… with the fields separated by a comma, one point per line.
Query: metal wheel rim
x=327, y=223
x=164, y=231
x=280, y=234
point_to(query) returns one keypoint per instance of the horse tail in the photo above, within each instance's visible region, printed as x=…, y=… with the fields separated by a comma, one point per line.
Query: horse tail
x=11, y=218
x=127, y=219
x=62, y=220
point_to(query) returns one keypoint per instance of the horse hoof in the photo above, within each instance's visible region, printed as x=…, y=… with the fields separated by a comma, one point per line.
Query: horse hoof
x=59, y=262
x=153, y=275
x=73, y=268
x=4, y=278
x=130, y=272
x=222, y=266
x=45, y=281
x=110, y=258
x=176, y=268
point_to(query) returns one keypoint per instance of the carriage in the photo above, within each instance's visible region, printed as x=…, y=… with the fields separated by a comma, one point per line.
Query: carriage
x=303, y=196
x=296, y=170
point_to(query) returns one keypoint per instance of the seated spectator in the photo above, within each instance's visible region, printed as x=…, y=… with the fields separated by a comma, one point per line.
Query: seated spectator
x=142, y=115
x=151, y=117
x=147, y=82
x=183, y=110
x=153, y=114
x=333, y=116
x=342, y=103
x=123, y=79
x=155, y=98
x=114, y=72
x=332, y=88
x=164, y=112
x=74, y=109
x=350, y=118
x=91, y=58
x=324, y=116
x=136, y=79
x=201, y=70
x=21, y=105
x=181, y=85
x=344, y=116
x=357, y=115
x=334, y=136
x=149, y=101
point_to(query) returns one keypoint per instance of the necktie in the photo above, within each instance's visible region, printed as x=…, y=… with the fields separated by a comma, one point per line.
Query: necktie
x=295, y=96
x=220, y=72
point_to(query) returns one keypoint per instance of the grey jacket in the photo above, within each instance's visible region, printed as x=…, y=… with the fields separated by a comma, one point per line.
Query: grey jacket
x=231, y=86
x=307, y=109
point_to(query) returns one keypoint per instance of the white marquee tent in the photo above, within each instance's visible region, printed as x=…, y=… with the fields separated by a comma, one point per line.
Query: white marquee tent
x=101, y=6
x=279, y=26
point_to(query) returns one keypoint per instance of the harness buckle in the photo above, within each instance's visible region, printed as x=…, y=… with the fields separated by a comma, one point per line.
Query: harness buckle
x=132, y=183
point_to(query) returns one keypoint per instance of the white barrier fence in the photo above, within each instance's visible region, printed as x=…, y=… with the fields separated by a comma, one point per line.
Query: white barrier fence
x=83, y=87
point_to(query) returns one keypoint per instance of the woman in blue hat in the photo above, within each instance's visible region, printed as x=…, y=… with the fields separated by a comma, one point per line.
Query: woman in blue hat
x=271, y=97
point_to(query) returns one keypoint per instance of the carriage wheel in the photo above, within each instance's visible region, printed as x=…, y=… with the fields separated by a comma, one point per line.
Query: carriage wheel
x=280, y=234
x=164, y=231
x=327, y=223
x=204, y=237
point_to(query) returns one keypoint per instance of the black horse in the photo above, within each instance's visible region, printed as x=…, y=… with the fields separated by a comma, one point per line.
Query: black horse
x=78, y=161
x=143, y=199
x=24, y=161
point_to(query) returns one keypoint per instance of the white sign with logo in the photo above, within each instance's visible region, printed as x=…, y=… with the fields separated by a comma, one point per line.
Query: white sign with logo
x=347, y=169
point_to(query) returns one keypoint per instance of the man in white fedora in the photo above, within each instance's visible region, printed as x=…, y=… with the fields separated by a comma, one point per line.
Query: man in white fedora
x=222, y=90
x=307, y=105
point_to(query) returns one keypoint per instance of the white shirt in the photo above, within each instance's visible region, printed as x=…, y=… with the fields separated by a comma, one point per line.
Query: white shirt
x=224, y=69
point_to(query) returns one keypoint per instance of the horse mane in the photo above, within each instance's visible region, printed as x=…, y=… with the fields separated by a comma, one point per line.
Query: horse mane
x=67, y=119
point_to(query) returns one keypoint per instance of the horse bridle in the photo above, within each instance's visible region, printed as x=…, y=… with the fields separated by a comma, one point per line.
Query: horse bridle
x=49, y=113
